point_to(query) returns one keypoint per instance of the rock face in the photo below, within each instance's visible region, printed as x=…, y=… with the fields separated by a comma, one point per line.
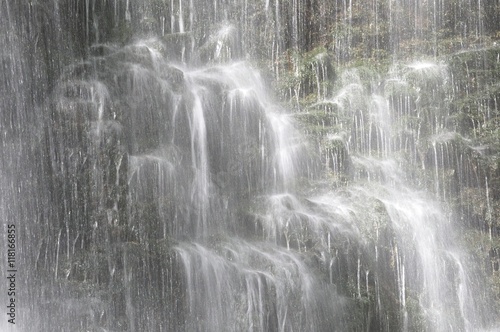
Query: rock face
x=158, y=185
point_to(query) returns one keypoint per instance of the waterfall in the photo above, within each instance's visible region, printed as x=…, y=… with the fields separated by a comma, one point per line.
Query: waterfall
x=230, y=165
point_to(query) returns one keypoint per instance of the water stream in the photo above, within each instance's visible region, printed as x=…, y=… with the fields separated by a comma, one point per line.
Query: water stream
x=157, y=183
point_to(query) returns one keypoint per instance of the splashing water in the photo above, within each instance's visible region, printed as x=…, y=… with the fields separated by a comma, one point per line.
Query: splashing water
x=158, y=186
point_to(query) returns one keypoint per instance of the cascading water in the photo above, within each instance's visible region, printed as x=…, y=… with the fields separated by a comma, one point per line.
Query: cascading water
x=156, y=185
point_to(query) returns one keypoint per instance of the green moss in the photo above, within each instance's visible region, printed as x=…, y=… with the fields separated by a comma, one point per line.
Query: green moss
x=305, y=75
